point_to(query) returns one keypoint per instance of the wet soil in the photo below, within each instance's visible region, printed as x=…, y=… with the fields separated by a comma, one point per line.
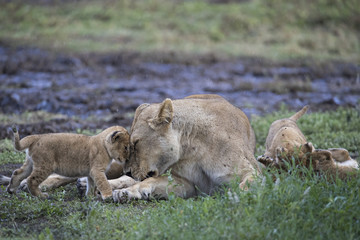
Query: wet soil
x=96, y=91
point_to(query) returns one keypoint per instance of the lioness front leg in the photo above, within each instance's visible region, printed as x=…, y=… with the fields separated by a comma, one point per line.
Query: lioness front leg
x=118, y=183
x=122, y=182
x=155, y=187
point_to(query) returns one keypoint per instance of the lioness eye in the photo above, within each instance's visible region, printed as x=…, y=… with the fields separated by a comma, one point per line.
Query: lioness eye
x=126, y=148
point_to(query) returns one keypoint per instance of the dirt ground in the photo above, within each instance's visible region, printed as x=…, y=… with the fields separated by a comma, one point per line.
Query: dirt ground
x=96, y=91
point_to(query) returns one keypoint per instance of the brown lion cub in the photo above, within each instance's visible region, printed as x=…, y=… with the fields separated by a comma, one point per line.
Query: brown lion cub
x=335, y=162
x=70, y=155
x=285, y=140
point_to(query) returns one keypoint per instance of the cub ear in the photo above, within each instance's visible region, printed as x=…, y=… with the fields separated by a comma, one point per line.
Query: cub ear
x=307, y=148
x=116, y=136
x=165, y=114
x=321, y=155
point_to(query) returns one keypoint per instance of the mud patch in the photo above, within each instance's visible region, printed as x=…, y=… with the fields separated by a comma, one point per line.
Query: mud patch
x=97, y=91
x=7, y=169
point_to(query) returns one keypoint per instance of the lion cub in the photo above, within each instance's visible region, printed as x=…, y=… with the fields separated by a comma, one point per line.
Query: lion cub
x=335, y=162
x=285, y=140
x=71, y=155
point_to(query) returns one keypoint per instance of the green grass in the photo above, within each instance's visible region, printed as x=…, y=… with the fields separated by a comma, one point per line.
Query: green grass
x=276, y=29
x=29, y=117
x=294, y=207
x=8, y=154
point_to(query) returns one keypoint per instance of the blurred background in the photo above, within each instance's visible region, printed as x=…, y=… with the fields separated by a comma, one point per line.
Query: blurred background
x=85, y=65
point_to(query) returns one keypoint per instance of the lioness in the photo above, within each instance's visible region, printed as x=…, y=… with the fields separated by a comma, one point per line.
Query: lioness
x=71, y=155
x=285, y=140
x=202, y=140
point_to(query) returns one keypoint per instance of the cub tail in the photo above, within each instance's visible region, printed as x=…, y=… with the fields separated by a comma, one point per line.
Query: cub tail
x=298, y=115
x=24, y=143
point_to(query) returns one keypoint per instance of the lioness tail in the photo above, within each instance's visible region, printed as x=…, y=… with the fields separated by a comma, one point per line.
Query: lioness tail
x=298, y=115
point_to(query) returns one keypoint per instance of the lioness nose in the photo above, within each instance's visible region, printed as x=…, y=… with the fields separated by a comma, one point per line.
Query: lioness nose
x=129, y=174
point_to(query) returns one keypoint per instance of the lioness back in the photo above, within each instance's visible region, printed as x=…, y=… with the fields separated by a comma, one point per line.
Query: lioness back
x=219, y=115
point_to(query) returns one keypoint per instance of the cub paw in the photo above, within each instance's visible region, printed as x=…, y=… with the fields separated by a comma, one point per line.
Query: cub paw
x=10, y=190
x=43, y=195
x=23, y=186
x=81, y=185
x=265, y=160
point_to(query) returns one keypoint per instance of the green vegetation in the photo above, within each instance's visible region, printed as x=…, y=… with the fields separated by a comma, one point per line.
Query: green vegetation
x=294, y=207
x=8, y=154
x=276, y=29
x=29, y=117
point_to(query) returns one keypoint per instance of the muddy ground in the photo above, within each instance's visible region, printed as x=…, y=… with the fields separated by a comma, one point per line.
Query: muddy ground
x=96, y=91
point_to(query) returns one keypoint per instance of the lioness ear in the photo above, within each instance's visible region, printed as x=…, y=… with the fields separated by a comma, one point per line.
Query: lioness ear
x=165, y=114
x=139, y=109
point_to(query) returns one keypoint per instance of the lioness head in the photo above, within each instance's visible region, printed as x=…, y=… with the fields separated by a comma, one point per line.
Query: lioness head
x=117, y=145
x=154, y=144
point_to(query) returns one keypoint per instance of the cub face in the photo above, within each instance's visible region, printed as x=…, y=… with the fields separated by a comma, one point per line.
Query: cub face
x=117, y=144
x=154, y=144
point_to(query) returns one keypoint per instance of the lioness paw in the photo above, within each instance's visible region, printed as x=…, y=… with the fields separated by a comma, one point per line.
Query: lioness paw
x=124, y=195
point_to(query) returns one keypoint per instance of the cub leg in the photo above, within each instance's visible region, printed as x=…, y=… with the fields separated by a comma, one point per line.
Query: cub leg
x=34, y=180
x=20, y=174
x=114, y=170
x=52, y=182
x=55, y=181
x=101, y=183
x=155, y=187
x=280, y=154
